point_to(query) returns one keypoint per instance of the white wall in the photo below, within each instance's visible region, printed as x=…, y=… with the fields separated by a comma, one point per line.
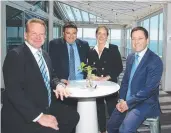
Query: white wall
x=166, y=82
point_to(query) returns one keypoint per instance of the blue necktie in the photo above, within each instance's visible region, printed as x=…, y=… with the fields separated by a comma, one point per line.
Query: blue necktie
x=44, y=72
x=72, y=63
x=134, y=67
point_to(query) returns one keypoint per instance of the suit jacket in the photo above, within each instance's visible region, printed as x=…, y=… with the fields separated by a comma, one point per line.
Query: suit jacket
x=110, y=62
x=58, y=52
x=25, y=95
x=145, y=82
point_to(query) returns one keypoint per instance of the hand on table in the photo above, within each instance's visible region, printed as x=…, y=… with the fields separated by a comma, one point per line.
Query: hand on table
x=61, y=91
x=48, y=121
x=66, y=82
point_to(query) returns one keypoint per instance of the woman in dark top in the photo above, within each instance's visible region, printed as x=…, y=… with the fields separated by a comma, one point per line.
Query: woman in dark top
x=106, y=59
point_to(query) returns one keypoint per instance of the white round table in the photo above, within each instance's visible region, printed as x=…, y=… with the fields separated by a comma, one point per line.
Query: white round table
x=87, y=102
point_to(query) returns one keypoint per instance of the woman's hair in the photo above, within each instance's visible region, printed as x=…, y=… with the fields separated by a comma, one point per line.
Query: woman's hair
x=104, y=27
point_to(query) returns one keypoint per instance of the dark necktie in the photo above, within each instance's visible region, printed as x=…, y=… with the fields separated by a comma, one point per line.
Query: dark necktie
x=72, y=63
x=44, y=73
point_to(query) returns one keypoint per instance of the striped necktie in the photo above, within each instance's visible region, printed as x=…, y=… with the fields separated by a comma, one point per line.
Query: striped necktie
x=44, y=73
x=72, y=63
x=134, y=67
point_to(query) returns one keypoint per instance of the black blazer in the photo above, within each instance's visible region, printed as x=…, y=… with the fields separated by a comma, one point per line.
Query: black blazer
x=58, y=52
x=25, y=95
x=110, y=62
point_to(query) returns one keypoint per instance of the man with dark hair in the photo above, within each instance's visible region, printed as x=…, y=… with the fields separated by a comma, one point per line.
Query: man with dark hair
x=139, y=92
x=28, y=105
x=66, y=54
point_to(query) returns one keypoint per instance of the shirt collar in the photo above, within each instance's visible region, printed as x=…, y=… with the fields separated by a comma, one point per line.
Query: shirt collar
x=74, y=43
x=32, y=49
x=106, y=46
x=141, y=54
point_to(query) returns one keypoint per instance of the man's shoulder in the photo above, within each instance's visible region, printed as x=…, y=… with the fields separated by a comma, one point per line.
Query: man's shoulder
x=56, y=41
x=18, y=49
x=81, y=42
x=153, y=57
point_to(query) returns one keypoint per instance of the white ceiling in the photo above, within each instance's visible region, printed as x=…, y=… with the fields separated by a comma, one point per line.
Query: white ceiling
x=119, y=12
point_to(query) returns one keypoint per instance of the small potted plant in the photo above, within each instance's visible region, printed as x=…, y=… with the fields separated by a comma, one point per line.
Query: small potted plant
x=88, y=69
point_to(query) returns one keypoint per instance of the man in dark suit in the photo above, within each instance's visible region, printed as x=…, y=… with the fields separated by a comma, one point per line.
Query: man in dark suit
x=66, y=54
x=28, y=105
x=139, y=93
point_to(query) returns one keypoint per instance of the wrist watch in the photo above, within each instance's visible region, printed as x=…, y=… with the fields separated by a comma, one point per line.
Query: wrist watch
x=120, y=100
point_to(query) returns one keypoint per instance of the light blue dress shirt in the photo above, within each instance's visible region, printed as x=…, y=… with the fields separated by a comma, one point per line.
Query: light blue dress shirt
x=78, y=73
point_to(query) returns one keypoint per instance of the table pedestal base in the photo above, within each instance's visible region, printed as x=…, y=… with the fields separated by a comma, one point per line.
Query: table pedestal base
x=88, y=116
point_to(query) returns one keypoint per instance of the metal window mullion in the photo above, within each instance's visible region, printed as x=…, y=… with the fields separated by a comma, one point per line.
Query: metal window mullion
x=81, y=14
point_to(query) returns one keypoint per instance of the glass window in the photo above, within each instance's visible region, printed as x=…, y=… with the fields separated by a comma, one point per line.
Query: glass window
x=154, y=34
x=56, y=31
x=43, y=5
x=14, y=27
x=146, y=24
x=92, y=18
x=69, y=12
x=85, y=16
x=116, y=37
x=77, y=14
x=128, y=42
x=80, y=33
x=89, y=36
x=160, y=34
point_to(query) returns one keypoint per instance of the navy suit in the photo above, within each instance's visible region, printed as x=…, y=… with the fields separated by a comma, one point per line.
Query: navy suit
x=58, y=52
x=144, y=91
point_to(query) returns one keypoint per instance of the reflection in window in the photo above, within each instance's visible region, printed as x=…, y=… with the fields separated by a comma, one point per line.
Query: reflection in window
x=154, y=34
x=14, y=27
x=89, y=36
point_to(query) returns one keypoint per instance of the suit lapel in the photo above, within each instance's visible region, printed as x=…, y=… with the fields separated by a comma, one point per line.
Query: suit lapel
x=143, y=60
x=32, y=62
x=65, y=56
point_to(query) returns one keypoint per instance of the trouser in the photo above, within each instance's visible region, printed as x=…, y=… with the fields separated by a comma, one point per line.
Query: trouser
x=129, y=121
x=111, y=101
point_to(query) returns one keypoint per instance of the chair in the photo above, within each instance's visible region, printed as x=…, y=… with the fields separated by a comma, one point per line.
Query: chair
x=154, y=124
